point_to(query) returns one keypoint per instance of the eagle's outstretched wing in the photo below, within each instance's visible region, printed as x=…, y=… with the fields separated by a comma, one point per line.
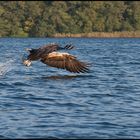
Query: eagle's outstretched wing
x=65, y=61
x=36, y=54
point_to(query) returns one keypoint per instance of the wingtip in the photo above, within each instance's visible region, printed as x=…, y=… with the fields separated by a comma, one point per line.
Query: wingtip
x=69, y=46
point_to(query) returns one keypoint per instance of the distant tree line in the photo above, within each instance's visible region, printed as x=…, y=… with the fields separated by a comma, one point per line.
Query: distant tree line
x=46, y=18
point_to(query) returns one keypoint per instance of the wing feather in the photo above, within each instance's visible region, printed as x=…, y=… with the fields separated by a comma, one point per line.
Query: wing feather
x=83, y=67
x=65, y=61
x=72, y=67
x=76, y=67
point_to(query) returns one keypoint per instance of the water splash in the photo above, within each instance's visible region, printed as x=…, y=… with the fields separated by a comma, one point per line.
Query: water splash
x=5, y=67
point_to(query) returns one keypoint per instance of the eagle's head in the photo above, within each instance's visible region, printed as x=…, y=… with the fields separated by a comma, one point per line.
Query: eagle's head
x=27, y=62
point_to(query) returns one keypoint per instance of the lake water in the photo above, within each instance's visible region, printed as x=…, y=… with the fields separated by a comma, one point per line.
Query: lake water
x=45, y=102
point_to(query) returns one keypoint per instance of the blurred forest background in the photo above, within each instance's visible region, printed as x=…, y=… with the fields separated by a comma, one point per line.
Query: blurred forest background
x=47, y=18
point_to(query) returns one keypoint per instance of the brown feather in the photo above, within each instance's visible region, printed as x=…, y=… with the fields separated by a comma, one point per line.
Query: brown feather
x=72, y=67
x=65, y=61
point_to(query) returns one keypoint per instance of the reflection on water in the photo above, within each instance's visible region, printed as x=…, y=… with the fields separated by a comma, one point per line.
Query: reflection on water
x=64, y=77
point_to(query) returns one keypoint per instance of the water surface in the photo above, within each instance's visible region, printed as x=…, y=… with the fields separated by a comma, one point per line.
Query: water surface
x=45, y=102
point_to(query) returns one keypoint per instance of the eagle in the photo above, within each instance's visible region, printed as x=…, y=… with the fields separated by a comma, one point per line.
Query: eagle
x=52, y=56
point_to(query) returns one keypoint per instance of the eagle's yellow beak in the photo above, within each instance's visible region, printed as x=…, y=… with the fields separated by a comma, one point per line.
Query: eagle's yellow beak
x=27, y=63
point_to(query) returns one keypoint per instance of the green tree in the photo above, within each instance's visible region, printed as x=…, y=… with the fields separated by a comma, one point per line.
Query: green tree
x=45, y=18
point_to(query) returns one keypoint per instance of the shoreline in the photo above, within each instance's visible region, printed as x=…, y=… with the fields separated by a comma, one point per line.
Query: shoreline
x=124, y=34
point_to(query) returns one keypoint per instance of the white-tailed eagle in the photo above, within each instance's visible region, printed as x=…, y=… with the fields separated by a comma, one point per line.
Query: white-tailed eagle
x=49, y=55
